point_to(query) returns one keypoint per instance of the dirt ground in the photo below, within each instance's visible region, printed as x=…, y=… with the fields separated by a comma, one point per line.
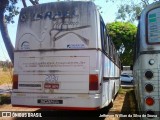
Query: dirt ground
x=116, y=109
x=124, y=106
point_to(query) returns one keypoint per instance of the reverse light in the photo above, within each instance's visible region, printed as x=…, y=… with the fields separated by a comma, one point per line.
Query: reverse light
x=149, y=88
x=149, y=74
x=149, y=101
x=15, y=81
x=93, y=82
x=151, y=61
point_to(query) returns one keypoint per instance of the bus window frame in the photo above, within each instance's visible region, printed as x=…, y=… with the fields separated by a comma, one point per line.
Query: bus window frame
x=110, y=52
x=105, y=48
x=137, y=45
x=146, y=31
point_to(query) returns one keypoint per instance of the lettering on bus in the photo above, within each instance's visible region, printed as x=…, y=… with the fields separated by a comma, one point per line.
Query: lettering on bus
x=55, y=64
x=52, y=15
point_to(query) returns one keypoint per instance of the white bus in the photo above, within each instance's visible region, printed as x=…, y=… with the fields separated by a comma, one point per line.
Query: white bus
x=146, y=69
x=64, y=58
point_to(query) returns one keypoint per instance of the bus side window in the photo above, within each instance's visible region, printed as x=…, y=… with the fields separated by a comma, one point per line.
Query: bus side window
x=107, y=50
x=104, y=38
x=106, y=42
x=112, y=51
x=114, y=54
x=110, y=48
x=117, y=62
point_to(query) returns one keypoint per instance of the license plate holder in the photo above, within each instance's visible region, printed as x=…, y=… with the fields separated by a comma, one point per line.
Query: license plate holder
x=49, y=101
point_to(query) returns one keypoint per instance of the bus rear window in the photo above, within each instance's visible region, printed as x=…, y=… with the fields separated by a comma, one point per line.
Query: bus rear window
x=153, y=29
x=53, y=26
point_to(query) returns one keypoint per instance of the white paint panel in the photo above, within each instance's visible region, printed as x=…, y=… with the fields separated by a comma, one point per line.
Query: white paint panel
x=69, y=100
x=54, y=63
x=67, y=83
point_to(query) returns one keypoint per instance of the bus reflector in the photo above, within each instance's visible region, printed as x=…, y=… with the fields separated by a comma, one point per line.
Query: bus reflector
x=149, y=101
x=15, y=81
x=93, y=82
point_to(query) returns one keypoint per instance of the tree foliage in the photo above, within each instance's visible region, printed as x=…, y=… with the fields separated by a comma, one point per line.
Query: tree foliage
x=7, y=6
x=123, y=35
x=11, y=11
x=129, y=10
x=8, y=10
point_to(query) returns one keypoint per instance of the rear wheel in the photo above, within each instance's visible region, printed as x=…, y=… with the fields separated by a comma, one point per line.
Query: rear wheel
x=104, y=110
x=110, y=104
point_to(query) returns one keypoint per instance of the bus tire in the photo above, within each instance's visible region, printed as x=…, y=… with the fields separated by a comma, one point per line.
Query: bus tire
x=110, y=104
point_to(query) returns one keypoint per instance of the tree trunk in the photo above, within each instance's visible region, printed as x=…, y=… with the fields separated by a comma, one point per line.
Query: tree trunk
x=5, y=36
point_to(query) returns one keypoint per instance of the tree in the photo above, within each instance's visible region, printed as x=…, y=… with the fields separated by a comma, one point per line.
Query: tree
x=123, y=35
x=5, y=6
x=8, y=10
x=129, y=10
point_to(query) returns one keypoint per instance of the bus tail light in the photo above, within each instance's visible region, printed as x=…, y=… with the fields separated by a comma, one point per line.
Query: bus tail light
x=149, y=101
x=149, y=74
x=149, y=88
x=93, y=82
x=15, y=81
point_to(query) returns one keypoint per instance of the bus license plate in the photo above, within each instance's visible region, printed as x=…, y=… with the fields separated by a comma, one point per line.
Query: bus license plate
x=48, y=101
x=51, y=86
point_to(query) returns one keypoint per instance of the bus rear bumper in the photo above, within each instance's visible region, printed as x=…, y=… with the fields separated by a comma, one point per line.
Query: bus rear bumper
x=57, y=101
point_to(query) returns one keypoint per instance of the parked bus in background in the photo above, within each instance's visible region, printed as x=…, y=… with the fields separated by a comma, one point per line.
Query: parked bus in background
x=146, y=69
x=64, y=58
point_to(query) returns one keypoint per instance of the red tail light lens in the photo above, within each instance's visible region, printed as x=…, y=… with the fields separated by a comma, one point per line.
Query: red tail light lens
x=93, y=82
x=149, y=101
x=15, y=81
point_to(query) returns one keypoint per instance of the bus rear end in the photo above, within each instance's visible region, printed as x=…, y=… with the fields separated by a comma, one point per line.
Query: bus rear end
x=59, y=80
x=147, y=66
x=56, y=60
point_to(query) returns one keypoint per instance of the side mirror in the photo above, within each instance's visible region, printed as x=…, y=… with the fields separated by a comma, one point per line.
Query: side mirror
x=131, y=67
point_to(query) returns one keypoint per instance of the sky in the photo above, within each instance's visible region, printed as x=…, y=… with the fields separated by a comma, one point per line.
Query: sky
x=108, y=13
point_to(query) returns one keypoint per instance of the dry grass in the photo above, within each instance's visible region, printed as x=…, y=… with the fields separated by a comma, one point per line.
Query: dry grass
x=123, y=90
x=5, y=99
x=5, y=76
